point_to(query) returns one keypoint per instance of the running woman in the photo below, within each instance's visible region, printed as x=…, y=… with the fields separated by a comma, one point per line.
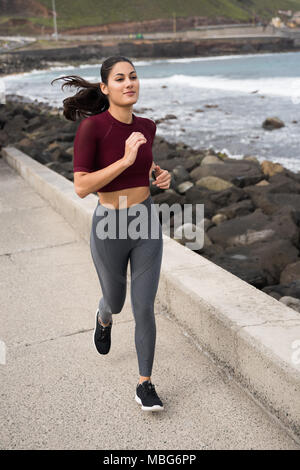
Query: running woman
x=113, y=157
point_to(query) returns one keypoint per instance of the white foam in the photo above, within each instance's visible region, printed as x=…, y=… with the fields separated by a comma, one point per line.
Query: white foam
x=186, y=60
x=284, y=86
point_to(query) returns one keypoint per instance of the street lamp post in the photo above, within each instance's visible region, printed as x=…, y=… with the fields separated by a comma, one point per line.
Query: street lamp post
x=174, y=21
x=54, y=19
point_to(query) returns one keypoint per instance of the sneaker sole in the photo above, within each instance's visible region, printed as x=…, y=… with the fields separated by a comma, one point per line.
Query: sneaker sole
x=102, y=354
x=148, y=408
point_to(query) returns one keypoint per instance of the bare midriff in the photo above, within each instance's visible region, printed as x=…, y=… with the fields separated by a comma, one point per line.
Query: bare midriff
x=134, y=196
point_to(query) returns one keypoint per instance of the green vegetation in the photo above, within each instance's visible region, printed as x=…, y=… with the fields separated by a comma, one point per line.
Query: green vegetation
x=75, y=13
x=78, y=13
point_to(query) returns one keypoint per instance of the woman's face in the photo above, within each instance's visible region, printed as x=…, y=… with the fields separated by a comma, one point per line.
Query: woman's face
x=122, y=79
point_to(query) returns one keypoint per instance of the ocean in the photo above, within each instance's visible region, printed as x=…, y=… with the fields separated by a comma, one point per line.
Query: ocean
x=242, y=90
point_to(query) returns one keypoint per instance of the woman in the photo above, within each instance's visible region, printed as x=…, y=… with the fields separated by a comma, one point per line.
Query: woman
x=113, y=156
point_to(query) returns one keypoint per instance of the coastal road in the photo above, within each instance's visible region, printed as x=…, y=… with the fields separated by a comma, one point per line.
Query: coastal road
x=205, y=32
x=10, y=43
x=57, y=392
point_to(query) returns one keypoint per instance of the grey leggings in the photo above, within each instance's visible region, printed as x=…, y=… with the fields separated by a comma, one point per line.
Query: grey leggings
x=110, y=256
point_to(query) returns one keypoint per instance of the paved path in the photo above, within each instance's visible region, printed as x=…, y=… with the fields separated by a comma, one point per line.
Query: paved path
x=58, y=393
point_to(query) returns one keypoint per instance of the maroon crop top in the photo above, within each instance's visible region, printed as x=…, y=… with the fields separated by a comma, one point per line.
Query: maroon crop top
x=100, y=141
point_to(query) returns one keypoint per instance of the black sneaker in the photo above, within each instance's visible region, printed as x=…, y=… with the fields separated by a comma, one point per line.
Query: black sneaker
x=102, y=336
x=147, y=397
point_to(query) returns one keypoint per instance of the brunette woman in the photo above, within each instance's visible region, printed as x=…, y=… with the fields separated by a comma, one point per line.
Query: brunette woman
x=113, y=157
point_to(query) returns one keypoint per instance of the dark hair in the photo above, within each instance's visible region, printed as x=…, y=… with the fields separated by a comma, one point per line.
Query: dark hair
x=90, y=100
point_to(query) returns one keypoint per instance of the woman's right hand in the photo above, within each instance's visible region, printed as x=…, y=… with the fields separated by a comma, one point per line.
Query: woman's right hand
x=132, y=144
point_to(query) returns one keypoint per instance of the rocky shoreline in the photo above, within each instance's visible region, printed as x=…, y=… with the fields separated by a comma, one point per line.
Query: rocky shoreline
x=252, y=209
x=94, y=52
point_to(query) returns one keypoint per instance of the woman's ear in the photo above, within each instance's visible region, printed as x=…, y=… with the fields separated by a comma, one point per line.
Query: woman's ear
x=101, y=89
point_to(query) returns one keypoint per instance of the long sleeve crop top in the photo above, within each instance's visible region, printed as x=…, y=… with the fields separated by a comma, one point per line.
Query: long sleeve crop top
x=100, y=141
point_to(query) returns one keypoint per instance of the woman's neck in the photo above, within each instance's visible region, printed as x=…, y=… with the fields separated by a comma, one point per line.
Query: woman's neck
x=122, y=114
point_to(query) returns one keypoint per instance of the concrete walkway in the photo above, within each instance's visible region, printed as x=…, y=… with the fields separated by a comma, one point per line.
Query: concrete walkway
x=57, y=392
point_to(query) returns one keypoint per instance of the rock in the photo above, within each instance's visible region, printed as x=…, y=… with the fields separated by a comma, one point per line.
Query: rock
x=14, y=127
x=238, y=209
x=164, y=150
x=212, y=250
x=183, y=187
x=259, y=264
x=59, y=155
x=210, y=159
x=292, y=175
x=251, y=158
x=180, y=174
x=192, y=162
x=284, y=183
x=66, y=137
x=33, y=124
x=240, y=262
x=64, y=168
x=4, y=138
x=253, y=227
x=291, y=289
x=233, y=228
x=281, y=191
x=218, y=219
x=284, y=225
x=270, y=168
x=271, y=203
x=177, y=151
x=194, y=195
x=274, y=294
x=213, y=183
x=252, y=236
x=70, y=150
x=291, y=302
x=169, y=116
x=262, y=183
x=168, y=196
x=201, y=196
x=25, y=144
x=227, y=196
x=290, y=273
x=238, y=172
x=272, y=123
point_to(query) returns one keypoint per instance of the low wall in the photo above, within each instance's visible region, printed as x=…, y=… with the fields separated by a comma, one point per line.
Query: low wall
x=250, y=334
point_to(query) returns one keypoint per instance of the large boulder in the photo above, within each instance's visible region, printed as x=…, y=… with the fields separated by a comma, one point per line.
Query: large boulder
x=259, y=264
x=213, y=183
x=239, y=172
x=254, y=227
x=228, y=196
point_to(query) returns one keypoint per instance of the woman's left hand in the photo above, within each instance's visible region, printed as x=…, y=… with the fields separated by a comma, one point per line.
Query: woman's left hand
x=163, y=178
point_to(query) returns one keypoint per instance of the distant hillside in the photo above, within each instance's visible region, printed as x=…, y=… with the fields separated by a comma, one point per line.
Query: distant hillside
x=35, y=16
